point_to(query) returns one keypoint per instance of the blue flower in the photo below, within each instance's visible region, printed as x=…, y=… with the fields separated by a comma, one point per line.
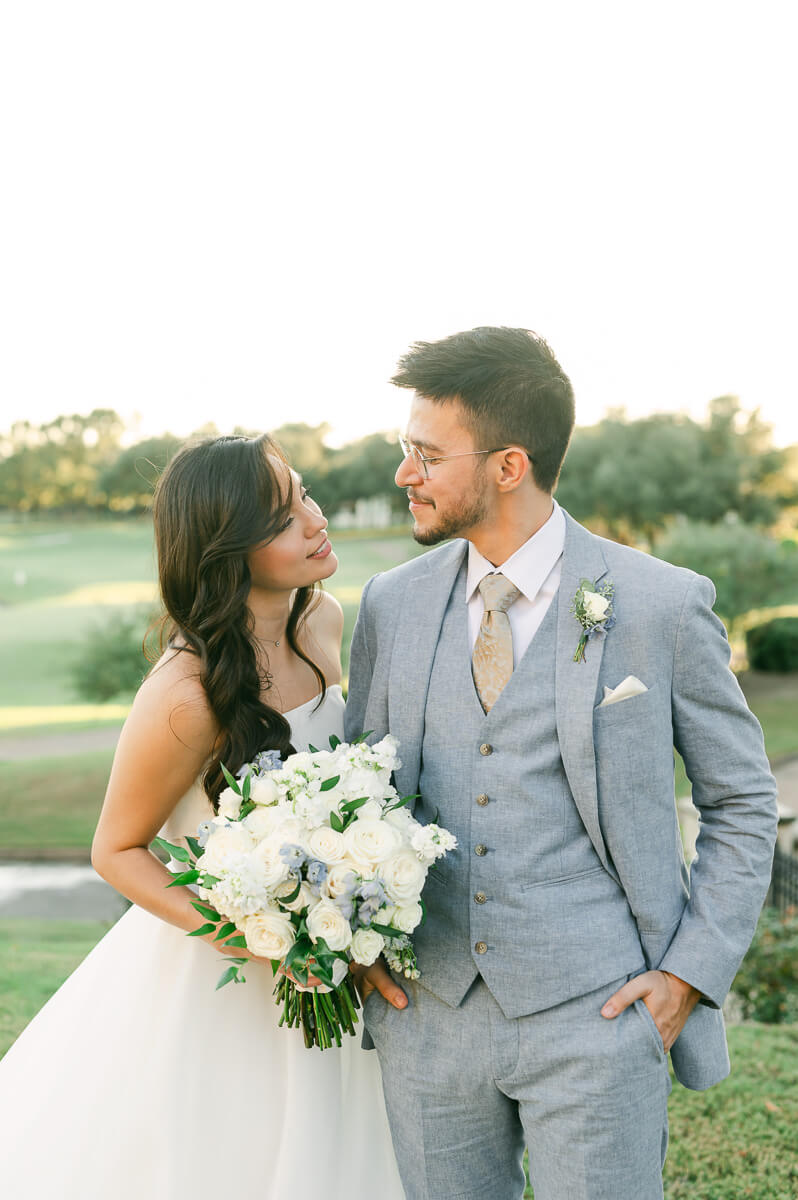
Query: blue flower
x=268, y=760
x=204, y=832
x=316, y=872
x=294, y=855
x=372, y=889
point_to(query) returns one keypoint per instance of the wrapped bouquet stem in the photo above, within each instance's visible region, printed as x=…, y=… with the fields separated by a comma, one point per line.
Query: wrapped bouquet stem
x=318, y=862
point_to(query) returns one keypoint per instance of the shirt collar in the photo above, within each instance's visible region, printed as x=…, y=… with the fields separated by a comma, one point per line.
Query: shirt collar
x=530, y=565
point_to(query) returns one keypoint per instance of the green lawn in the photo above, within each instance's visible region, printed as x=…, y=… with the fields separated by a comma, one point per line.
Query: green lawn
x=734, y=1142
x=52, y=804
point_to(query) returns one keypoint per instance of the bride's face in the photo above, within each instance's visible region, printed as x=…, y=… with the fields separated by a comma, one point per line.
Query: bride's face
x=300, y=553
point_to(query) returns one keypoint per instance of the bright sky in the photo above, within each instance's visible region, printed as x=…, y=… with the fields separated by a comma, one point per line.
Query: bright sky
x=245, y=212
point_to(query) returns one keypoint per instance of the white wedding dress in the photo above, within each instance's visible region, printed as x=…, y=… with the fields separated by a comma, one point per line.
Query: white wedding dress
x=139, y=1081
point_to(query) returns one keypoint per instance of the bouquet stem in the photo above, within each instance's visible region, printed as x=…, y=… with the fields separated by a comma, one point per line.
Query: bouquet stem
x=323, y=1016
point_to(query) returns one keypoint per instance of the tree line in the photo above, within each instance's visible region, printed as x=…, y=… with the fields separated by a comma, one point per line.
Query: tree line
x=628, y=478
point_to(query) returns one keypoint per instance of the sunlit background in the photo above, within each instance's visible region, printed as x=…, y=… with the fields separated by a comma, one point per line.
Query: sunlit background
x=233, y=213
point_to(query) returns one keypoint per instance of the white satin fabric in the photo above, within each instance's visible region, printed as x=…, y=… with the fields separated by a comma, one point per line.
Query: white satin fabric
x=139, y=1081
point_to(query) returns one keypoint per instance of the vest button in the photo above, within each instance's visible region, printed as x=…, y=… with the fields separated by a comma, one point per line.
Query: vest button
x=482, y=800
x=480, y=897
x=480, y=850
x=481, y=948
x=486, y=748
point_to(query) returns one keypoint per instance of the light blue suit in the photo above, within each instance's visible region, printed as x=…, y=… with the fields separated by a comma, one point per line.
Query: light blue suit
x=605, y=777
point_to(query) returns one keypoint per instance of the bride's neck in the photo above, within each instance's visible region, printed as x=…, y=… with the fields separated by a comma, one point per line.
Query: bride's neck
x=271, y=611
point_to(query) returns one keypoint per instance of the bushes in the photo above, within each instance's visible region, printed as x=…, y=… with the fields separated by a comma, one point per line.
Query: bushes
x=112, y=661
x=767, y=982
x=774, y=645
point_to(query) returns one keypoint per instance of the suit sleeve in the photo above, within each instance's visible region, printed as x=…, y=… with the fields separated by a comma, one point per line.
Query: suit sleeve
x=734, y=791
x=361, y=666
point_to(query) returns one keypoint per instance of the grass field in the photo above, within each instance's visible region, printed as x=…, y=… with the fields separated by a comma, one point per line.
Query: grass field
x=734, y=1142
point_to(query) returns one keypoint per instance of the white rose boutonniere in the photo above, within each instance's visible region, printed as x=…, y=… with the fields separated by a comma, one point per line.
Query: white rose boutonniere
x=592, y=607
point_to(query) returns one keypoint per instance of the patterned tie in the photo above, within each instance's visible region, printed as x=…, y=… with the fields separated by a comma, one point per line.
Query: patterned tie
x=492, y=661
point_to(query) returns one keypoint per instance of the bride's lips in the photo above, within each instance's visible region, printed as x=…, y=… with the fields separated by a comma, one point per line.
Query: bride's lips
x=324, y=549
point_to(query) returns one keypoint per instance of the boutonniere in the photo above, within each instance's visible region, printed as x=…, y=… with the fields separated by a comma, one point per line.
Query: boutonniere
x=592, y=607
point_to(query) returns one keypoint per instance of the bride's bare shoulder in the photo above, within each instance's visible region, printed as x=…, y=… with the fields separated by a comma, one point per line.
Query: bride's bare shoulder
x=173, y=690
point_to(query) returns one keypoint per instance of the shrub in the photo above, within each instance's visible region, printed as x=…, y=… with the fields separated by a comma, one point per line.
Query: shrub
x=767, y=982
x=112, y=661
x=774, y=645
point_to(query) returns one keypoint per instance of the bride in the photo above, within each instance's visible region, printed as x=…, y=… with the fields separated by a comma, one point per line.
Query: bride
x=138, y=1079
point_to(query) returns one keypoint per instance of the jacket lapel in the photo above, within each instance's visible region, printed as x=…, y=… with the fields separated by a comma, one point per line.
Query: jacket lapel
x=419, y=626
x=576, y=683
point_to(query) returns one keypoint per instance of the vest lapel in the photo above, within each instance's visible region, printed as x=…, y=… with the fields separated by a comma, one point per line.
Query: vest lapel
x=576, y=683
x=418, y=630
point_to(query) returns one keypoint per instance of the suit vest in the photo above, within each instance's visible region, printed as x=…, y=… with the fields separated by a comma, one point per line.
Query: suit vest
x=524, y=900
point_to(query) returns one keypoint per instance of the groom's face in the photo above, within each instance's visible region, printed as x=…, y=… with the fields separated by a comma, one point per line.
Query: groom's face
x=451, y=501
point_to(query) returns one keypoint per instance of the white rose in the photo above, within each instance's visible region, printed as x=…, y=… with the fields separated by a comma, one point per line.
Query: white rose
x=401, y=819
x=229, y=804
x=370, y=842
x=341, y=879
x=263, y=790
x=367, y=946
x=225, y=843
x=275, y=868
x=305, y=900
x=263, y=821
x=384, y=915
x=328, y=922
x=407, y=917
x=269, y=935
x=403, y=876
x=595, y=605
x=370, y=811
x=327, y=845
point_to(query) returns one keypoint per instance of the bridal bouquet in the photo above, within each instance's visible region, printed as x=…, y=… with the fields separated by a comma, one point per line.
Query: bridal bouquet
x=317, y=861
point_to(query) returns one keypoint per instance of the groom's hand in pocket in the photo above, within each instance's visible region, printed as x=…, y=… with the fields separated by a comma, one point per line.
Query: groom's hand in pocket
x=669, y=999
x=378, y=977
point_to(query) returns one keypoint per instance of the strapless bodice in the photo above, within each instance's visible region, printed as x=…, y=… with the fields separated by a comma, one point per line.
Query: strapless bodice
x=311, y=723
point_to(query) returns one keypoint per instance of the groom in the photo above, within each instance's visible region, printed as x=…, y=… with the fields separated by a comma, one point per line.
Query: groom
x=566, y=948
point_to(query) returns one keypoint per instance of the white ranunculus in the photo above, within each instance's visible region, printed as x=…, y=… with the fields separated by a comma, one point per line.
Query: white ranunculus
x=341, y=879
x=229, y=804
x=370, y=842
x=328, y=922
x=224, y=843
x=263, y=790
x=385, y=753
x=269, y=935
x=403, y=876
x=401, y=819
x=305, y=900
x=275, y=868
x=367, y=946
x=327, y=845
x=407, y=917
x=431, y=842
x=596, y=605
x=370, y=811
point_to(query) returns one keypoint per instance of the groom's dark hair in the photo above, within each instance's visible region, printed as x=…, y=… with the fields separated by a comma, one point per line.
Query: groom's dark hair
x=511, y=388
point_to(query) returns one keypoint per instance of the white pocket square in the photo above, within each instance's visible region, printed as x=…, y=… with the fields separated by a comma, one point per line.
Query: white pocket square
x=631, y=686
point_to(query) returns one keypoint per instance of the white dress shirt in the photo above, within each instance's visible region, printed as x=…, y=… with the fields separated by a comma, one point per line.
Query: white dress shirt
x=535, y=570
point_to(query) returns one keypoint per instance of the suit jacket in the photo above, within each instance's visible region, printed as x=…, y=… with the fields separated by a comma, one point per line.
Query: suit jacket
x=618, y=758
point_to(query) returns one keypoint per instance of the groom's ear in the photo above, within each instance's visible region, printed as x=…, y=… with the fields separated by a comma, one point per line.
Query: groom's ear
x=513, y=468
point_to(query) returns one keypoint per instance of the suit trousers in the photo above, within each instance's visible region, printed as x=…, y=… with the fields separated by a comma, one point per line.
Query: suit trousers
x=466, y=1088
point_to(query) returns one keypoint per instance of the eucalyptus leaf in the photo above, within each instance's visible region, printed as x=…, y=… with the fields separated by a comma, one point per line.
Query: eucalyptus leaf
x=291, y=897
x=203, y=929
x=246, y=808
x=205, y=910
x=209, y=880
x=231, y=779
x=225, y=931
x=350, y=806
x=336, y=823
x=330, y=783
x=196, y=848
x=227, y=977
x=246, y=787
x=179, y=853
x=335, y=741
x=356, y=741
x=238, y=940
x=313, y=749
x=184, y=877
x=387, y=930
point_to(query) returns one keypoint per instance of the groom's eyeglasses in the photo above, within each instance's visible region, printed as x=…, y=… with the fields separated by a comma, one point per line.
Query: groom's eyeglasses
x=423, y=463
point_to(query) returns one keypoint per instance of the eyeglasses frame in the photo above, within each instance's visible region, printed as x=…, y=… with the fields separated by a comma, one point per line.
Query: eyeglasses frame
x=411, y=450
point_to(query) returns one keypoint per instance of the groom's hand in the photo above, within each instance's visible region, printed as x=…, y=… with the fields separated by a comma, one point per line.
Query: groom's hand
x=667, y=997
x=377, y=976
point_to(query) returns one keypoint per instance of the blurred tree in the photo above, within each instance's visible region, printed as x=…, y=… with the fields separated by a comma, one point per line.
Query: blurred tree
x=748, y=568
x=55, y=466
x=632, y=477
x=128, y=482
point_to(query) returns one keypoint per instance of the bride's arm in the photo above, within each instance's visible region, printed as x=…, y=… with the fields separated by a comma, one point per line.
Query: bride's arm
x=164, y=744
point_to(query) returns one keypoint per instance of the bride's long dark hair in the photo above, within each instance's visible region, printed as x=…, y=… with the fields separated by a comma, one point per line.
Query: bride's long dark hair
x=214, y=502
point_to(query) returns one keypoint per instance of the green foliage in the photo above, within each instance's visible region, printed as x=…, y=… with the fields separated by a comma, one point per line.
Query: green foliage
x=748, y=568
x=632, y=477
x=128, y=482
x=767, y=981
x=112, y=660
x=774, y=645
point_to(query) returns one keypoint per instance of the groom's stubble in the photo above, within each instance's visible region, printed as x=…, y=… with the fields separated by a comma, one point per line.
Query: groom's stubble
x=459, y=518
